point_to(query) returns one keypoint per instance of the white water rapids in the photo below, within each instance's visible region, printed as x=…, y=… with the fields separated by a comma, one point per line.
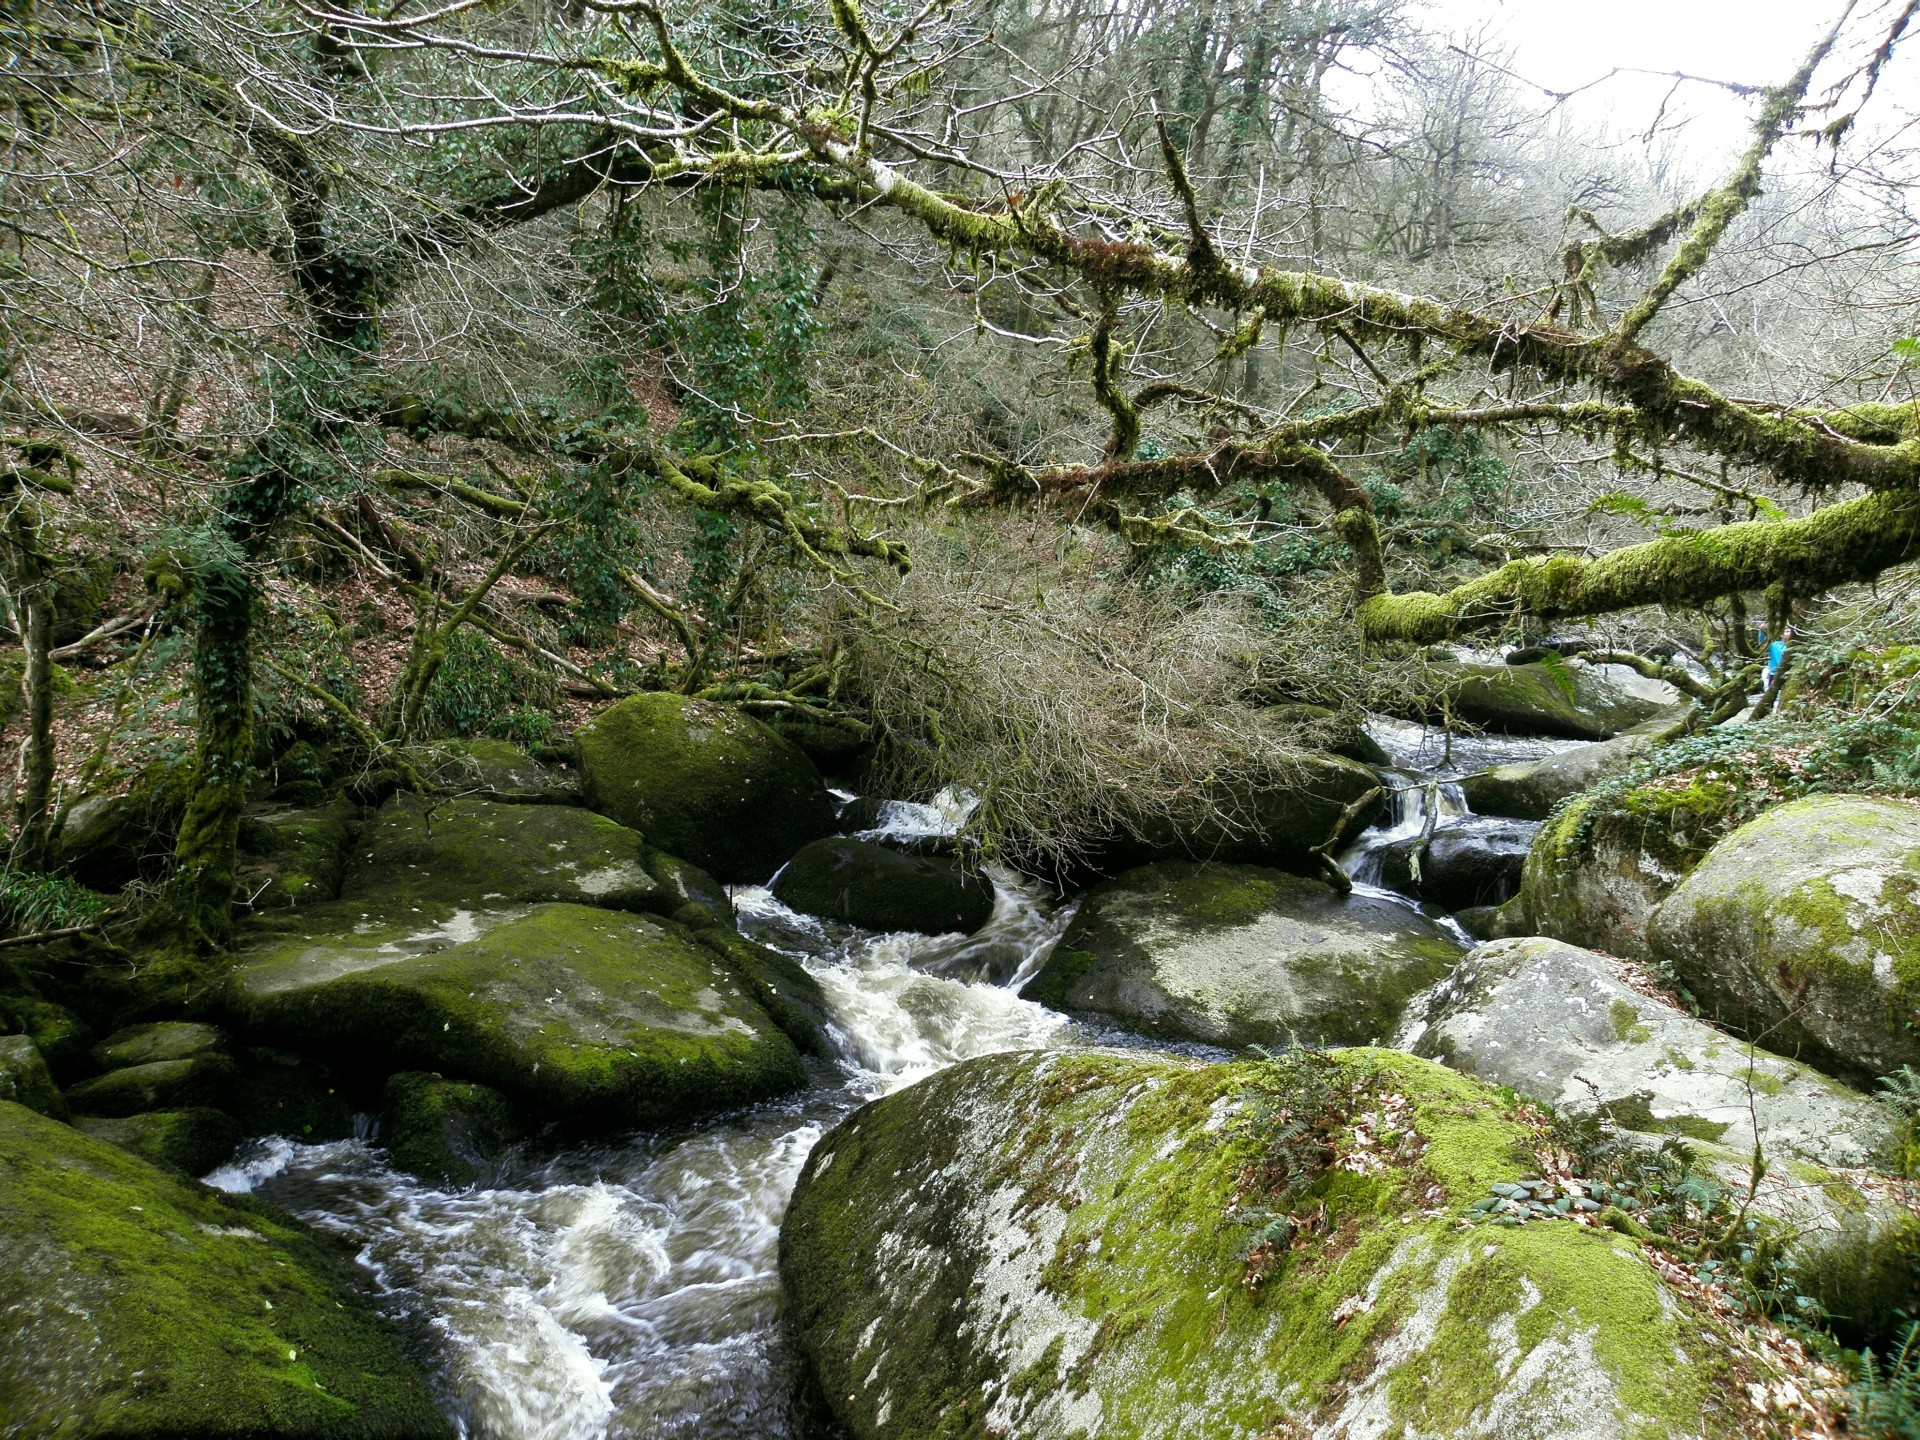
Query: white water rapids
x=628, y=1288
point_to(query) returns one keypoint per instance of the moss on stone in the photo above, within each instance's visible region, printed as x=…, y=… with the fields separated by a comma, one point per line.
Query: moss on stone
x=449, y=1132
x=589, y=1015
x=25, y=1079
x=199, y=1080
x=919, y=1230
x=144, y=1306
x=192, y=1141
x=705, y=782
x=158, y=1040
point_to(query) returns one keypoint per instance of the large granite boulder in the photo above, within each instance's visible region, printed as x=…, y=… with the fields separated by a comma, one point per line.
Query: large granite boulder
x=138, y=1303
x=1116, y=1243
x=448, y=1132
x=1578, y=1030
x=1237, y=955
x=705, y=782
x=192, y=1141
x=880, y=887
x=1560, y=697
x=1595, y=873
x=586, y=1015
x=1529, y=789
x=1802, y=927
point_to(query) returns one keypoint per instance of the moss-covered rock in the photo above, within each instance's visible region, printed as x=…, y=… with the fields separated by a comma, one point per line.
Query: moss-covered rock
x=290, y=857
x=1803, y=926
x=157, y=1085
x=880, y=888
x=695, y=897
x=478, y=853
x=1123, y=1244
x=159, y=1040
x=778, y=983
x=705, y=782
x=115, y=836
x=1596, y=872
x=64, y=1039
x=191, y=1141
x=1530, y=789
x=25, y=1079
x=141, y=1305
x=1563, y=697
x=588, y=1015
x=303, y=1097
x=496, y=770
x=1567, y=1027
x=1238, y=955
x=449, y=1132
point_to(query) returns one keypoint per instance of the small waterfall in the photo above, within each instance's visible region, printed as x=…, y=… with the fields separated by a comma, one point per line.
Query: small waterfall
x=1418, y=804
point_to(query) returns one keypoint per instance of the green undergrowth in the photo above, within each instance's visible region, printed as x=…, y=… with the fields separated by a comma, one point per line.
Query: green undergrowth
x=1849, y=724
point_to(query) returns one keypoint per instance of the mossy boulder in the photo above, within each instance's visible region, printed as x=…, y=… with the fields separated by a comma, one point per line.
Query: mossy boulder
x=448, y=1132
x=25, y=1080
x=705, y=782
x=191, y=1141
x=303, y=1097
x=477, y=853
x=115, y=836
x=1238, y=955
x=878, y=887
x=159, y=1040
x=1803, y=926
x=1597, y=871
x=1530, y=789
x=1559, y=697
x=496, y=770
x=290, y=857
x=1117, y=1243
x=1571, y=1028
x=142, y=1305
x=587, y=1015
x=63, y=1038
x=157, y=1085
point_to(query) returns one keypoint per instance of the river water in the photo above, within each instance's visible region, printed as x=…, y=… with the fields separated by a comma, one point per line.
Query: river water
x=628, y=1289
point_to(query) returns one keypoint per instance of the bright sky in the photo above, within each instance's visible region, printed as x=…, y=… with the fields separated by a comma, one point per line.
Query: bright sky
x=1564, y=44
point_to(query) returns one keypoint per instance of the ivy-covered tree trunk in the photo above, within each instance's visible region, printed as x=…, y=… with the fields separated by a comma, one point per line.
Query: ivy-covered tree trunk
x=196, y=910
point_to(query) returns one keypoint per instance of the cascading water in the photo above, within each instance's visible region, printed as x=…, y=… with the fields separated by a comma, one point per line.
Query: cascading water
x=629, y=1288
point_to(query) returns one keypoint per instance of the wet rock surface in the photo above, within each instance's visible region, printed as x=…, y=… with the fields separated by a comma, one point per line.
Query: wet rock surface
x=1468, y=862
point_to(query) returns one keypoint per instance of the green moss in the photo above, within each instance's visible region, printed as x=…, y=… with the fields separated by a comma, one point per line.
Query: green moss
x=192, y=1141
x=194, y=1315
x=705, y=782
x=1626, y=1024
x=448, y=1132
x=586, y=1014
x=1174, y=1321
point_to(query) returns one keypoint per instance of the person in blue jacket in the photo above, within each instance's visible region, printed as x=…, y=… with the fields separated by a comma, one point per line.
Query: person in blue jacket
x=1776, y=652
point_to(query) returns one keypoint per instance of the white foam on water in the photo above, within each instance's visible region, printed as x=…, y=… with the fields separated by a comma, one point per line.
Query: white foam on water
x=630, y=1288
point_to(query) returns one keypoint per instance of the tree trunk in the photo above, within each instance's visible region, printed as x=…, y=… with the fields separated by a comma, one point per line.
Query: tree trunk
x=31, y=849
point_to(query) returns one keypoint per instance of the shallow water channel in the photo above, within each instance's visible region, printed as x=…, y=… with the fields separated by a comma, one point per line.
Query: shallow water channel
x=627, y=1289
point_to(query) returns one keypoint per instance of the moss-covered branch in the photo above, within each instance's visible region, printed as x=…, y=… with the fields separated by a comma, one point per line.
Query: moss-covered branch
x=1852, y=541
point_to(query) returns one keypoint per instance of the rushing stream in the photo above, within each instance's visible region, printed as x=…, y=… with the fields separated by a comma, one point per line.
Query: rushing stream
x=628, y=1288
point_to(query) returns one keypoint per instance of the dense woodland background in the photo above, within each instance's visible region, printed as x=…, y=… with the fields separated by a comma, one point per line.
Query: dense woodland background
x=370, y=378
